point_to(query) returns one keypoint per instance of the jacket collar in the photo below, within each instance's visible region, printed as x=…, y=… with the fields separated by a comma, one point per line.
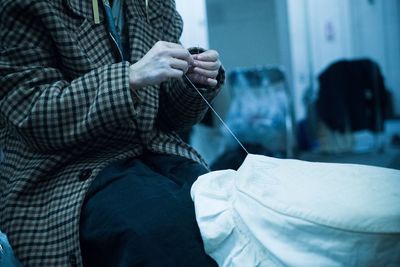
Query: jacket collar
x=84, y=8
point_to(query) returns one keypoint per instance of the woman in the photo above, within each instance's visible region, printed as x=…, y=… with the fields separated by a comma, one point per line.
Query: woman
x=92, y=95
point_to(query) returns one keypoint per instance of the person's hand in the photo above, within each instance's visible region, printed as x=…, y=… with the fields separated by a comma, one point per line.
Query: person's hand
x=163, y=61
x=205, y=68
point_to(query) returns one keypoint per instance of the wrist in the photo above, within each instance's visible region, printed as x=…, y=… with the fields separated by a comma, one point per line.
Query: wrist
x=135, y=82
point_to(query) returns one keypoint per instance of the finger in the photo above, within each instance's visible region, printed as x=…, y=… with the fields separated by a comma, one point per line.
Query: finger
x=212, y=82
x=207, y=73
x=199, y=79
x=172, y=45
x=207, y=65
x=174, y=73
x=209, y=55
x=181, y=54
x=179, y=64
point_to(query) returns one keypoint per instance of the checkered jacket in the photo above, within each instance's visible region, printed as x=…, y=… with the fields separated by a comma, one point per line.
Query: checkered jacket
x=66, y=111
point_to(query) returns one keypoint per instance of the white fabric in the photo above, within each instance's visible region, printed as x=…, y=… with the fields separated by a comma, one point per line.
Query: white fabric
x=275, y=212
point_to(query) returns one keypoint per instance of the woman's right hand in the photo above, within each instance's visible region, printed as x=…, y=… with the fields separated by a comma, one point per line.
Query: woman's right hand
x=162, y=62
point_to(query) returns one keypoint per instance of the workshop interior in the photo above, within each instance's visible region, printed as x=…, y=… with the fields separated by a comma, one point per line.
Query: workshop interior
x=312, y=80
x=302, y=142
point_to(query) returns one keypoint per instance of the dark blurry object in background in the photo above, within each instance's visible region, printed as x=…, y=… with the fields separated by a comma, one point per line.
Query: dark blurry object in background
x=395, y=142
x=352, y=96
x=389, y=109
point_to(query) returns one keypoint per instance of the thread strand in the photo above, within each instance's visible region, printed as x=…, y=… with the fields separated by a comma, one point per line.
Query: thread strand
x=216, y=114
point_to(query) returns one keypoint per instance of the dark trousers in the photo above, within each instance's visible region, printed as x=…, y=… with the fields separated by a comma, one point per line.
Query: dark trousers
x=139, y=213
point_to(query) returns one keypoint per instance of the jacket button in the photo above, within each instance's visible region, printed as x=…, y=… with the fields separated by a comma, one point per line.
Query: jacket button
x=85, y=174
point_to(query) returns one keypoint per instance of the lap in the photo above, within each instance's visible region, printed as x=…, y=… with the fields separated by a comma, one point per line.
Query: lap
x=145, y=204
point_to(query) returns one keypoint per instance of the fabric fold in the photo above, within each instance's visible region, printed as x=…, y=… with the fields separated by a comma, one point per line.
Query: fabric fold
x=280, y=212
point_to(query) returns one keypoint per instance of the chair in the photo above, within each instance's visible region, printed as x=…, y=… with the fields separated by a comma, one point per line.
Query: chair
x=261, y=111
x=260, y=115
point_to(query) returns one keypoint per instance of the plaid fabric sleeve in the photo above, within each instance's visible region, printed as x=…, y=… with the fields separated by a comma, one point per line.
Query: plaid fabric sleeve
x=180, y=105
x=44, y=109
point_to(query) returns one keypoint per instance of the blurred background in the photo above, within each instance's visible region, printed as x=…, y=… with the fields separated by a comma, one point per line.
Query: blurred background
x=316, y=80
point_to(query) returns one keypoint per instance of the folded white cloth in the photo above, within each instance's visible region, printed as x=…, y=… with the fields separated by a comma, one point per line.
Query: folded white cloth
x=279, y=212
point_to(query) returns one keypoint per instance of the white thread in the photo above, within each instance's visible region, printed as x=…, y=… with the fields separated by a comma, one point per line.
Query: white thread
x=147, y=11
x=216, y=114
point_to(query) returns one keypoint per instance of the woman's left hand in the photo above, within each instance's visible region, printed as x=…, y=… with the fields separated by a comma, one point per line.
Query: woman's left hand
x=205, y=68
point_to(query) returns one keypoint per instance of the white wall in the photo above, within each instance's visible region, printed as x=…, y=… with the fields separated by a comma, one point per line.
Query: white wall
x=244, y=32
x=319, y=34
x=195, y=30
x=322, y=31
x=303, y=36
x=330, y=31
x=301, y=68
x=376, y=34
